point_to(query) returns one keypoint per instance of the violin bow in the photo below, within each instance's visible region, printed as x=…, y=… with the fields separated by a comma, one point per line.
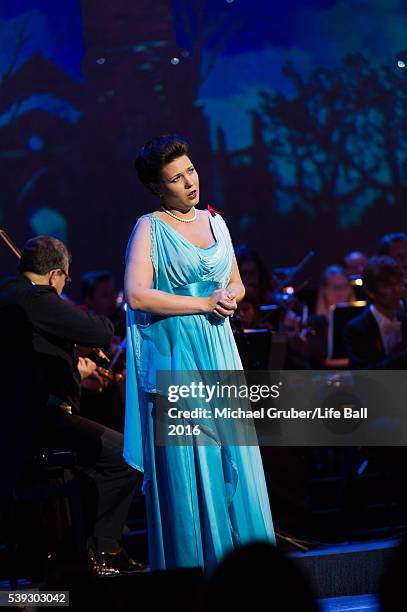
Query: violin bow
x=4, y=236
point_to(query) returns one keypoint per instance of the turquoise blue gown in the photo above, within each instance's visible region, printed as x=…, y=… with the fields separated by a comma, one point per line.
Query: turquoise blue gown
x=202, y=501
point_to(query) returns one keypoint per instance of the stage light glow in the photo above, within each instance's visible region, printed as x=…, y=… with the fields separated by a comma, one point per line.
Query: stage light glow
x=101, y=60
x=175, y=61
x=362, y=467
x=401, y=64
x=48, y=221
x=35, y=143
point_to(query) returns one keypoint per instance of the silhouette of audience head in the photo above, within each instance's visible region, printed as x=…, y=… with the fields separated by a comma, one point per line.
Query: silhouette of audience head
x=258, y=577
x=383, y=282
x=99, y=293
x=354, y=262
x=395, y=245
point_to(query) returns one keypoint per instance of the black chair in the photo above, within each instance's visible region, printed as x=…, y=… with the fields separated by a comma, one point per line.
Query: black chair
x=51, y=478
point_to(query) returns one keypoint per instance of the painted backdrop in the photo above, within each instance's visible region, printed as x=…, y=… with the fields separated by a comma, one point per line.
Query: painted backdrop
x=296, y=113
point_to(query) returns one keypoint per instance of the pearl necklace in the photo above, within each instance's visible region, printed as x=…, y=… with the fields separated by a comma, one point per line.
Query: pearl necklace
x=179, y=218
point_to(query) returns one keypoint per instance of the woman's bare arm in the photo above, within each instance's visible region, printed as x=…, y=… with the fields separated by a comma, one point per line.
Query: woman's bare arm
x=226, y=306
x=235, y=283
x=139, y=276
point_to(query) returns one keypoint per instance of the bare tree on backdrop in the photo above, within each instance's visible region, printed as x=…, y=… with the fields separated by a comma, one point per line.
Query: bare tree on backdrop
x=205, y=35
x=338, y=145
x=135, y=64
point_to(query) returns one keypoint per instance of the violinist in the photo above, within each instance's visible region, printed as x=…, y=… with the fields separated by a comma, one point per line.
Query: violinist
x=353, y=263
x=103, y=398
x=100, y=297
x=309, y=345
x=249, y=313
x=334, y=288
x=254, y=273
x=41, y=392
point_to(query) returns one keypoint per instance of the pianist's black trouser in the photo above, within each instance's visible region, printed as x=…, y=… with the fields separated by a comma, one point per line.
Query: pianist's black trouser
x=108, y=482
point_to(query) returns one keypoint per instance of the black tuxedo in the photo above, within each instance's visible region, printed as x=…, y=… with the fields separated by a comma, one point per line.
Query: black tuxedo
x=366, y=352
x=38, y=333
x=365, y=347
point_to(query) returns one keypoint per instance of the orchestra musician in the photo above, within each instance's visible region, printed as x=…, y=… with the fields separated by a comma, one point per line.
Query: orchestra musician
x=377, y=338
x=395, y=245
x=103, y=398
x=41, y=392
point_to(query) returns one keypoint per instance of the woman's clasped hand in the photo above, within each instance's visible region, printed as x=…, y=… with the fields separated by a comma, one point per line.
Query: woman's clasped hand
x=223, y=303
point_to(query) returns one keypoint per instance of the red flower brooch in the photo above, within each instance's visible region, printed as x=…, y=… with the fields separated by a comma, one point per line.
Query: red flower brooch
x=213, y=211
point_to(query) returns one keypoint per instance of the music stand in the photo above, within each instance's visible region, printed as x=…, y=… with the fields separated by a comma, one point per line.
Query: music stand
x=339, y=317
x=261, y=349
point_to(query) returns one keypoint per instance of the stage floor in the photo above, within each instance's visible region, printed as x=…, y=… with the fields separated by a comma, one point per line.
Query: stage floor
x=368, y=603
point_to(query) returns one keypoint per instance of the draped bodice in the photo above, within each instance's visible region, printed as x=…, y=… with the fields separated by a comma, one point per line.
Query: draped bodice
x=180, y=268
x=178, y=262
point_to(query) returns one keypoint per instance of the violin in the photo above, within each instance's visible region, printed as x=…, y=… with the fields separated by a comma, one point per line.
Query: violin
x=108, y=373
x=110, y=376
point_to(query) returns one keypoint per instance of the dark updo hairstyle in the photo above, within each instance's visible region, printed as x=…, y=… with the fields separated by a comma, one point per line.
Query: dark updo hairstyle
x=156, y=154
x=380, y=270
x=43, y=254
